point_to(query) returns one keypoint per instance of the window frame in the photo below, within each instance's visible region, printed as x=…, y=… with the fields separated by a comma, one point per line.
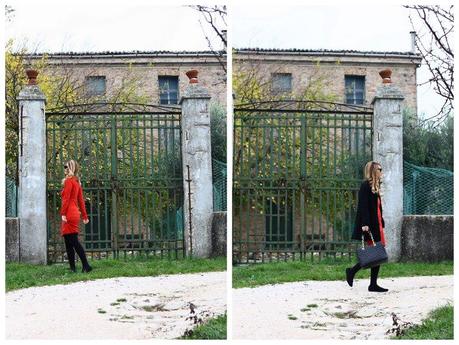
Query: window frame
x=279, y=90
x=169, y=77
x=91, y=91
x=354, y=78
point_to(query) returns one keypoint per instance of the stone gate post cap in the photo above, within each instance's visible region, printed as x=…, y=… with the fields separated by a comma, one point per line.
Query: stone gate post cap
x=31, y=91
x=387, y=91
x=194, y=89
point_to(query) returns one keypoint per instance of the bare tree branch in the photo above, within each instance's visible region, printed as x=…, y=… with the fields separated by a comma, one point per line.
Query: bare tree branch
x=435, y=28
x=215, y=17
x=9, y=13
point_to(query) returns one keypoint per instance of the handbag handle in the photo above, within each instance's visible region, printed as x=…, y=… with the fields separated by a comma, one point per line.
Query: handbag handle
x=372, y=240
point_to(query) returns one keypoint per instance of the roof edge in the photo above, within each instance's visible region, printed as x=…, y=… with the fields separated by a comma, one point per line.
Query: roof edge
x=134, y=53
x=295, y=51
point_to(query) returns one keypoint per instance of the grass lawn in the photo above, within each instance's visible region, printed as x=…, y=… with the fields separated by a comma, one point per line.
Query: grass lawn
x=212, y=329
x=438, y=325
x=19, y=275
x=291, y=271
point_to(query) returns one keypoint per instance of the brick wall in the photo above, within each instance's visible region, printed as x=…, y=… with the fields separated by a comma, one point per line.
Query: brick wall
x=332, y=68
x=141, y=70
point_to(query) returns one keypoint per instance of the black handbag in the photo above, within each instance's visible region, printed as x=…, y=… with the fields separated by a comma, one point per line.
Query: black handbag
x=371, y=256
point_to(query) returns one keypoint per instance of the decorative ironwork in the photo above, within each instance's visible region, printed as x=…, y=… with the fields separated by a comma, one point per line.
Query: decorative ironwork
x=131, y=173
x=103, y=108
x=303, y=106
x=297, y=169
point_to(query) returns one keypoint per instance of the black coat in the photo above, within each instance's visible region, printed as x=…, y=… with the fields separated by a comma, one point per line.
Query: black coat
x=367, y=213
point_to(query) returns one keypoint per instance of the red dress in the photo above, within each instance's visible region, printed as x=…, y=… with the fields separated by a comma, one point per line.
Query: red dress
x=72, y=197
x=381, y=228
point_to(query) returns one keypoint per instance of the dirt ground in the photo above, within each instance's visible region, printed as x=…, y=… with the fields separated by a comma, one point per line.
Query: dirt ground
x=119, y=308
x=333, y=310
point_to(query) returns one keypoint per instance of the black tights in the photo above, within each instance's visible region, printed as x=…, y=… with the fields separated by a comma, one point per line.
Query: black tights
x=374, y=273
x=71, y=246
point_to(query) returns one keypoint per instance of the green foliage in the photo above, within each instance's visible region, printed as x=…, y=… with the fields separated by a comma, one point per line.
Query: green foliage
x=218, y=143
x=283, y=272
x=218, y=131
x=213, y=329
x=438, y=325
x=252, y=84
x=427, y=145
x=62, y=87
x=15, y=79
x=20, y=275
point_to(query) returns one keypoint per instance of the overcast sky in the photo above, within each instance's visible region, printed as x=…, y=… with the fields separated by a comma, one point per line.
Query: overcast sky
x=378, y=28
x=106, y=25
x=138, y=25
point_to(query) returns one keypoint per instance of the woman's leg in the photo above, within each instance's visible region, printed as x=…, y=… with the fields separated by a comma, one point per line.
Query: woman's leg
x=70, y=252
x=373, y=281
x=80, y=251
x=350, y=273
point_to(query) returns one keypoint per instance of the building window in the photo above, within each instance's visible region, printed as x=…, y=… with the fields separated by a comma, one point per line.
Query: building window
x=355, y=89
x=282, y=82
x=95, y=86
x=168, y=89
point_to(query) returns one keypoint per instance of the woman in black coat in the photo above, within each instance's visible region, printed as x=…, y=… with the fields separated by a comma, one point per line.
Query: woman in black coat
x=369, y=219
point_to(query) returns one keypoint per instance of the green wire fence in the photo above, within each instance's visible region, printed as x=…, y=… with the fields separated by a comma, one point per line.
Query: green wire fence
x=11, y=197
x=427, y=190
x=219, y=185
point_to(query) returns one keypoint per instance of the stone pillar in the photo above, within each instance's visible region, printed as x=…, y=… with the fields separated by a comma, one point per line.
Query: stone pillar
x=197, y=169
x=32, y=173
x=388, y=151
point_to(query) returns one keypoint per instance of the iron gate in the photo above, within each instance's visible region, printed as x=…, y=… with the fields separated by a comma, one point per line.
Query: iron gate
x=131, y=174
x=297, y=170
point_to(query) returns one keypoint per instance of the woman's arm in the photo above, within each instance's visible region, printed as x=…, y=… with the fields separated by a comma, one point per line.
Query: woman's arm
x=68, y=186
x=363, y=205
x=81, y=204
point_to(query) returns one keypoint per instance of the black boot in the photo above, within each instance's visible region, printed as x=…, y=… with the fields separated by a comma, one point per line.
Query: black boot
x=374, y=287
x=350, y=273
x=86, y=269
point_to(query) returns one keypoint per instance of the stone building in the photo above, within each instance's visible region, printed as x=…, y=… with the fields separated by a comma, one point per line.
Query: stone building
x=158, y=76
x=351, y=76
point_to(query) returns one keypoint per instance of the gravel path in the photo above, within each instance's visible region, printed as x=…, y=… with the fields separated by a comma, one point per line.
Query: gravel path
x=333, y=310
x=119, y=308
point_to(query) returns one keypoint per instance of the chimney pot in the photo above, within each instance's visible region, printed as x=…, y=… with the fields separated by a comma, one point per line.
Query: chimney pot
x=413, y=41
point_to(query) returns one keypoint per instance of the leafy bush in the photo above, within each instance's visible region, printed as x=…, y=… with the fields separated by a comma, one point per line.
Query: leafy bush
x=427, y=145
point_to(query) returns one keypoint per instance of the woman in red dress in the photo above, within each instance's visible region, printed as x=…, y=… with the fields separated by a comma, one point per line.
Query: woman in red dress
x=369, y=219
x=72, y=204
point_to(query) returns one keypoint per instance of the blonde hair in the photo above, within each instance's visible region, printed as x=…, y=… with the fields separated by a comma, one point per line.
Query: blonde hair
x=369, y=172
x=74, y=170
